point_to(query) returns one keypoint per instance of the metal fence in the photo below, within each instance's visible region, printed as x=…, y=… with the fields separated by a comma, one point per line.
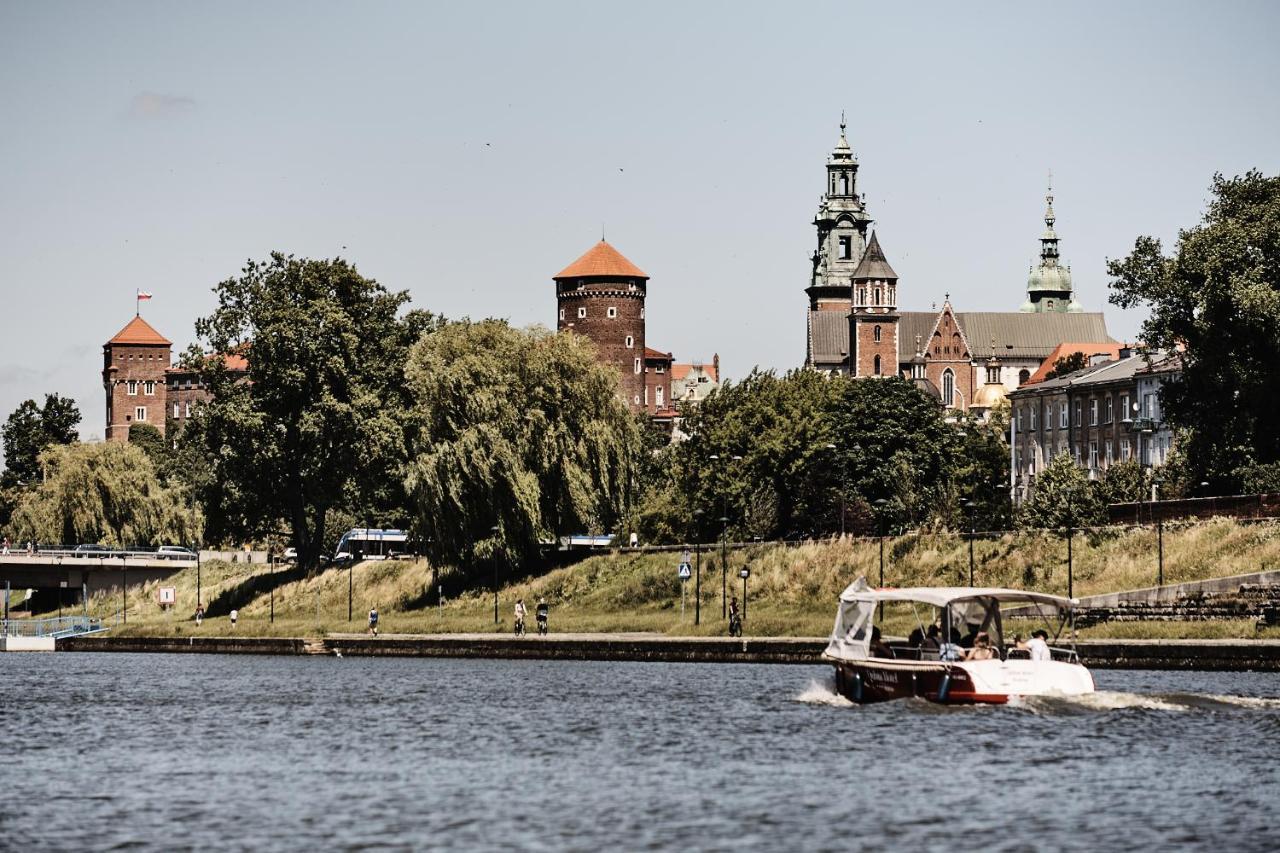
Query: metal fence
x=57, y=626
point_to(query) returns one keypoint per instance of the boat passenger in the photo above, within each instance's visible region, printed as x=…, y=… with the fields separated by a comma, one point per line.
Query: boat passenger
x=878, y=647
x=981, y=648
x=1038, y=645
x=932, y=639
x=916, y=638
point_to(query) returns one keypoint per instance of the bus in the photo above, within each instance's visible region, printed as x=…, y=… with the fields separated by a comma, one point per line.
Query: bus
x=367, y=543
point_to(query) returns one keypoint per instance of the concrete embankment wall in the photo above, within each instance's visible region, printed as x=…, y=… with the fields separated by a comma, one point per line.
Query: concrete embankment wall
x=1262, y=655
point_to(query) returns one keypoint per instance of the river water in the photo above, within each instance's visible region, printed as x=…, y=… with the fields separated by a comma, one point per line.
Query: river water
x=184, y=752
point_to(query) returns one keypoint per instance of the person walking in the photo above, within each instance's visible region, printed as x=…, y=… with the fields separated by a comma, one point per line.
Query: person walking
x=234, y=614
x=520, y=614
x=199, y=614
x=6, y=546
x=373, y=620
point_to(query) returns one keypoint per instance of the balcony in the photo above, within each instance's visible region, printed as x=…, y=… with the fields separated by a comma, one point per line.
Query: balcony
x=1144, y=424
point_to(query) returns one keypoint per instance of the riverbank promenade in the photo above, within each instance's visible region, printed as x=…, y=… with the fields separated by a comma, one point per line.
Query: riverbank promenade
x=1239, y=655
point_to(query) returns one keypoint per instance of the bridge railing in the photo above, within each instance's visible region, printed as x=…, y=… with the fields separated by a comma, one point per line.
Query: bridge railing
x=34, y=549
x=57, y=626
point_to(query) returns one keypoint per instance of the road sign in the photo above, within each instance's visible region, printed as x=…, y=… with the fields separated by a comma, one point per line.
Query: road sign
x=686, y=571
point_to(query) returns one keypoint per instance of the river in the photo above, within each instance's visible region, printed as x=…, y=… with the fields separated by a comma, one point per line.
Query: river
x=212, y=752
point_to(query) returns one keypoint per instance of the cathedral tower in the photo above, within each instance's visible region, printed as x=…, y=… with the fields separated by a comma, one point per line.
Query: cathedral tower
x=842, y=223
x=1049, y=285
x=601, y=295
x=874, y=322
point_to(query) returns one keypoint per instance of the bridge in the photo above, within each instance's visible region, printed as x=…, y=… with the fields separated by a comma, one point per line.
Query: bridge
x=90, y=572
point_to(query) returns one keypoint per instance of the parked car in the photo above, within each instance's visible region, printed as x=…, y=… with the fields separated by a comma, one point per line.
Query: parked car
x=94, y=551
x=175, y=552
x=290, y=555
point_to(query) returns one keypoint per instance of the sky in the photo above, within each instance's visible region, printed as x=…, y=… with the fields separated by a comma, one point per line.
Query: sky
x=467, y=152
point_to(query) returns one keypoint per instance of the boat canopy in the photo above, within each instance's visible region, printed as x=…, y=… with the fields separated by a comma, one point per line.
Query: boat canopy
x=851, y=635
x=941, y=596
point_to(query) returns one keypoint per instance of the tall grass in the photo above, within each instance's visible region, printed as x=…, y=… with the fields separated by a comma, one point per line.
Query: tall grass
x=792, y=589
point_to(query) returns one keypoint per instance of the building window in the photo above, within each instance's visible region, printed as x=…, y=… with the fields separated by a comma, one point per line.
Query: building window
x=1062, y=415
x=1107, y=412
x=658, y=395
x=140, y=413
x=646, y=395
x=132, y=386
x=875, y=334
x=877, y=293
x=1148, y=405
x=1035, y=411
x=561, y=313
x=611, y=312
x=630, y=341
x=175, y=410
x=1093, y=413
x=948, y=387
x=1023, y=376
x=637, y=399
x=187, y=409
x=1110, y=454
x=662, y=368
x=1077, y=414
x=1125, y=450
x=641, y=312
x=638, y=368
x=582, y=313
x=846, y=248
x=149, y=387
x=1093, y=456
x=876, y=367
x=1124, y=410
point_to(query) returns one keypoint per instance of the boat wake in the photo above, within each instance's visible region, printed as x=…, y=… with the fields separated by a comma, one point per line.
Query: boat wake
x=823, y=693
x=1114, y=700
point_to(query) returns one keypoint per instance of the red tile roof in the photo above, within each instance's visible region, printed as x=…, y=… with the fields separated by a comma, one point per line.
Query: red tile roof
x=1111, y=350
x=602, y=260
x=650, y=352
x=680, y=371
x=139, y=331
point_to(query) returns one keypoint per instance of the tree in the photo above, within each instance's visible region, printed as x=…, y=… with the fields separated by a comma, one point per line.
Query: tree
x=1069, y=363
x=896, y=446
x=1218, y=296
x=1062, y=497
x=784, y=481
x=30, y=429
x=107, y=493
x=1125, y=482
x=319, y=423
x=522, y=429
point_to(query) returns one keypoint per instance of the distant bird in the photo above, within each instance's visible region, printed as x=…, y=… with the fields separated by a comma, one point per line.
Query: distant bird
x=337, y=653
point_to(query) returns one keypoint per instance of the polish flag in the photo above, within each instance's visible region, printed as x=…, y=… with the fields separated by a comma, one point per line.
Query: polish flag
x=142, y=294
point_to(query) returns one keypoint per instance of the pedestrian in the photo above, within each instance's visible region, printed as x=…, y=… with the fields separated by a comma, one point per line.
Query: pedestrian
x=234, y=613
x=31, y=547
x=635, y=539
x=199, y=614
x=6, y=546
x=373, y=620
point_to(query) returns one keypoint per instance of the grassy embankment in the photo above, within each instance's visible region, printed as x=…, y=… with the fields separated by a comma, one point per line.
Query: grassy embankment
x=792, y=589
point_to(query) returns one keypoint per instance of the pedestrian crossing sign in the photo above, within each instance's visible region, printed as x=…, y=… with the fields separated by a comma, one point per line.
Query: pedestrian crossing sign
x=686, y=571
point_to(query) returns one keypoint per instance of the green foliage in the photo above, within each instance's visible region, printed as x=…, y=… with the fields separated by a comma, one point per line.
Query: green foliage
x=319, y=424
x=1125, y=482
x=1062, y=497
x=107, y=493
x=1258, y=479
x=805, y=454
x=519, y=429
x=149, y=440
x=1219, y=297
x=772, y=474
x=1069, y=363
x=29, y=430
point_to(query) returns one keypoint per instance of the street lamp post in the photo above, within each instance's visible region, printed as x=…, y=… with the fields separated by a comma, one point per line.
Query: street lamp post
x=724, y=567
x=1071, y=534
x=969, y=507
x=880, y=504
x=744, y=574
x=1155, y=491
x=697, y=571
x=494, y=530
x=272, y=558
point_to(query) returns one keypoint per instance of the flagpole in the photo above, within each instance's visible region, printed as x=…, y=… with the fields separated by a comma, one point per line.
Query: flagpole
x=137, y=303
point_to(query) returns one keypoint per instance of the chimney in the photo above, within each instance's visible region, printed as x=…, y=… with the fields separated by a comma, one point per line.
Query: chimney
x=715, y=362
x=1126, y=351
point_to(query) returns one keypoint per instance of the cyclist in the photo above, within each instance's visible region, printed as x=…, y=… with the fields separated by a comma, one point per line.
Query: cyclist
x=542, y=613
x=520, y=613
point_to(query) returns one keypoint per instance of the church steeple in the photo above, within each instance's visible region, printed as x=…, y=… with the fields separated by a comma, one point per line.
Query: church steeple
x=842, y=223
x=1049, y=284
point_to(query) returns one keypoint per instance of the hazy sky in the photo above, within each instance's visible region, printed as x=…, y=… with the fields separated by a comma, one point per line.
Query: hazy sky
x=467, y=152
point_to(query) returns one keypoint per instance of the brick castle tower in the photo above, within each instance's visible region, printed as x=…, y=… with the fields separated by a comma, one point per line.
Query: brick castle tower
x=133, y=375
x=874, y=320
x=601, y=295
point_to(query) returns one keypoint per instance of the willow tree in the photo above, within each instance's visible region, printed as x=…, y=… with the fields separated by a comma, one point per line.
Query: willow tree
x=106, y=493
x=518, y=429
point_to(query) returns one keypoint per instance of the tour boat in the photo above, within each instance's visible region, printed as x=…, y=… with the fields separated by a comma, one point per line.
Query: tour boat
x=868, y=671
